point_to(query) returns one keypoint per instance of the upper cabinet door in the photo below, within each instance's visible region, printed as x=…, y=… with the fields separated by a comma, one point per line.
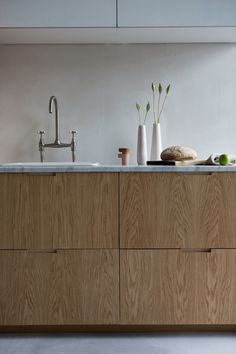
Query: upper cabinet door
x=176, y=13
x=58, y=13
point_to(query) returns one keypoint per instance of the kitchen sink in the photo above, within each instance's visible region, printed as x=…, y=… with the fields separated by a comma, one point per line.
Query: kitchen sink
x=48, y=164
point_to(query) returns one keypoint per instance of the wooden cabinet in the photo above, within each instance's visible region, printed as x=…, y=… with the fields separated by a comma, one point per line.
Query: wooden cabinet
x=165, y=210
x=68, y=210
x=128, y=249
x=62, y=287
x=172, y=13
x=178, y=287
x=58, y=13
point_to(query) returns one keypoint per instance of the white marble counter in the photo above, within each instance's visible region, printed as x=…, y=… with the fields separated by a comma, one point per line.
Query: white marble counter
x=38, y=168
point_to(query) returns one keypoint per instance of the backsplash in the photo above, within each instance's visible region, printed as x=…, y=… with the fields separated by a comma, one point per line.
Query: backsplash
x=97, y=87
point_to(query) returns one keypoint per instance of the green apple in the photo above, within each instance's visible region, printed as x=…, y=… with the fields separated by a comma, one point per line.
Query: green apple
x=224, y=160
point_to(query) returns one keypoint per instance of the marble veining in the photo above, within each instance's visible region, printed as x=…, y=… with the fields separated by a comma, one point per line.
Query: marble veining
x=112, y=168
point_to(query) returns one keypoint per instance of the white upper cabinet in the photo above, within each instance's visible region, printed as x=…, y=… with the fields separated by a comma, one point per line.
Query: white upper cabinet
x=57, y=13
x=176, y=13
x=117, y=21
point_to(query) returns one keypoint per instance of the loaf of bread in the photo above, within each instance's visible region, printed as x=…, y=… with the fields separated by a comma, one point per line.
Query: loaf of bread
x=178, y=153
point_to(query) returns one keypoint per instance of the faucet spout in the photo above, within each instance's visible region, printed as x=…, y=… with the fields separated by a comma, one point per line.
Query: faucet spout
x=53, y=101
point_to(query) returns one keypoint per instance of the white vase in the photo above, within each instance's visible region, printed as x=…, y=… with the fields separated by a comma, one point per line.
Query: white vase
x=156, y=147
x=142, y=145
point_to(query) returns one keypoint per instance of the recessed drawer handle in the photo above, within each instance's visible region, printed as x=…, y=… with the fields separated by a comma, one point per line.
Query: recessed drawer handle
x=196, y=250
x=41, y=174
x=200, y=173
x=42, y=251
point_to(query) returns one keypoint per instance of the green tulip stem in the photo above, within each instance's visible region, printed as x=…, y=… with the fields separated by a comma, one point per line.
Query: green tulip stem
x=158, y=108
x=153, y=106
x=162, y=107
x=145, y=118
x=139, y=118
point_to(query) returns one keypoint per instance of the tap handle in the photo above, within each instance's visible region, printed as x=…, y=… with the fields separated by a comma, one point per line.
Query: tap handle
x=73, y=132
x=73, y=144
x=41, y=132
x=41, y=145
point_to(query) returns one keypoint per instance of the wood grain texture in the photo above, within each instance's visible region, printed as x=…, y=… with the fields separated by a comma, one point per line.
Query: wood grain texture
x=90, y=290
x=173, y=287
x=166, y=210
x=68, y=210
x=67, y=287
x=87, y=210
x=29, y=289
x=26, y=211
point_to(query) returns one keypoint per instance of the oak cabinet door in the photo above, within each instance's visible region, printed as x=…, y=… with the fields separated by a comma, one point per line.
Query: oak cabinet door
x=166, y=287
x=27, y=211
x=165, y=210
x=87, y=210
x=64, y=210
x=63, y=287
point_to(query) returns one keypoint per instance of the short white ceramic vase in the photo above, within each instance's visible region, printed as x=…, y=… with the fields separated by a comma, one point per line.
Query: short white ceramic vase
x=142, y=145
x=156, y=147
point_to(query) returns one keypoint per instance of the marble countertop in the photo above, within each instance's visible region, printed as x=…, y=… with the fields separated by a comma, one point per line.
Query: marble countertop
x=37, y=168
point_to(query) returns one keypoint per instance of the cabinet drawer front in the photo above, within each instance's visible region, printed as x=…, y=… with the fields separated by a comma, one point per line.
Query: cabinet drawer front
x=168, y=210
x=65, y=287
x=177, y=287
x=64, y=210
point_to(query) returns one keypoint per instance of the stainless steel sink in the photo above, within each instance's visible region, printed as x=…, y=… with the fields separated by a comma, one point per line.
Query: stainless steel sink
x=48, y=164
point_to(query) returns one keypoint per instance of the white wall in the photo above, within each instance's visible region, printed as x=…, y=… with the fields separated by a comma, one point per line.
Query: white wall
x=97, y=87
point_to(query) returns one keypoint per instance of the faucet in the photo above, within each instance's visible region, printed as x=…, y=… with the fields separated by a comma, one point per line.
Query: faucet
x=57, y=142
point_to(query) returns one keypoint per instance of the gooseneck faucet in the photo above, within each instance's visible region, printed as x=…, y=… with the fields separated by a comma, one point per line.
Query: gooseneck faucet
x=57, y=143
x=52, y=101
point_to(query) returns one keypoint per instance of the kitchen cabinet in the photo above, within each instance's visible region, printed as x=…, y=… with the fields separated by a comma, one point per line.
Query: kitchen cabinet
x=117, y=248
x=57, y=13
x=161, y=210
x=51, y=211
x=59, y=287
x=172, y=13
x=178, y=287
x=117, y=21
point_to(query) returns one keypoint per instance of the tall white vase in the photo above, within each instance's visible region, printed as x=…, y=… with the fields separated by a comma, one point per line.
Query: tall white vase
x=156, y=147
x=142, y=145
